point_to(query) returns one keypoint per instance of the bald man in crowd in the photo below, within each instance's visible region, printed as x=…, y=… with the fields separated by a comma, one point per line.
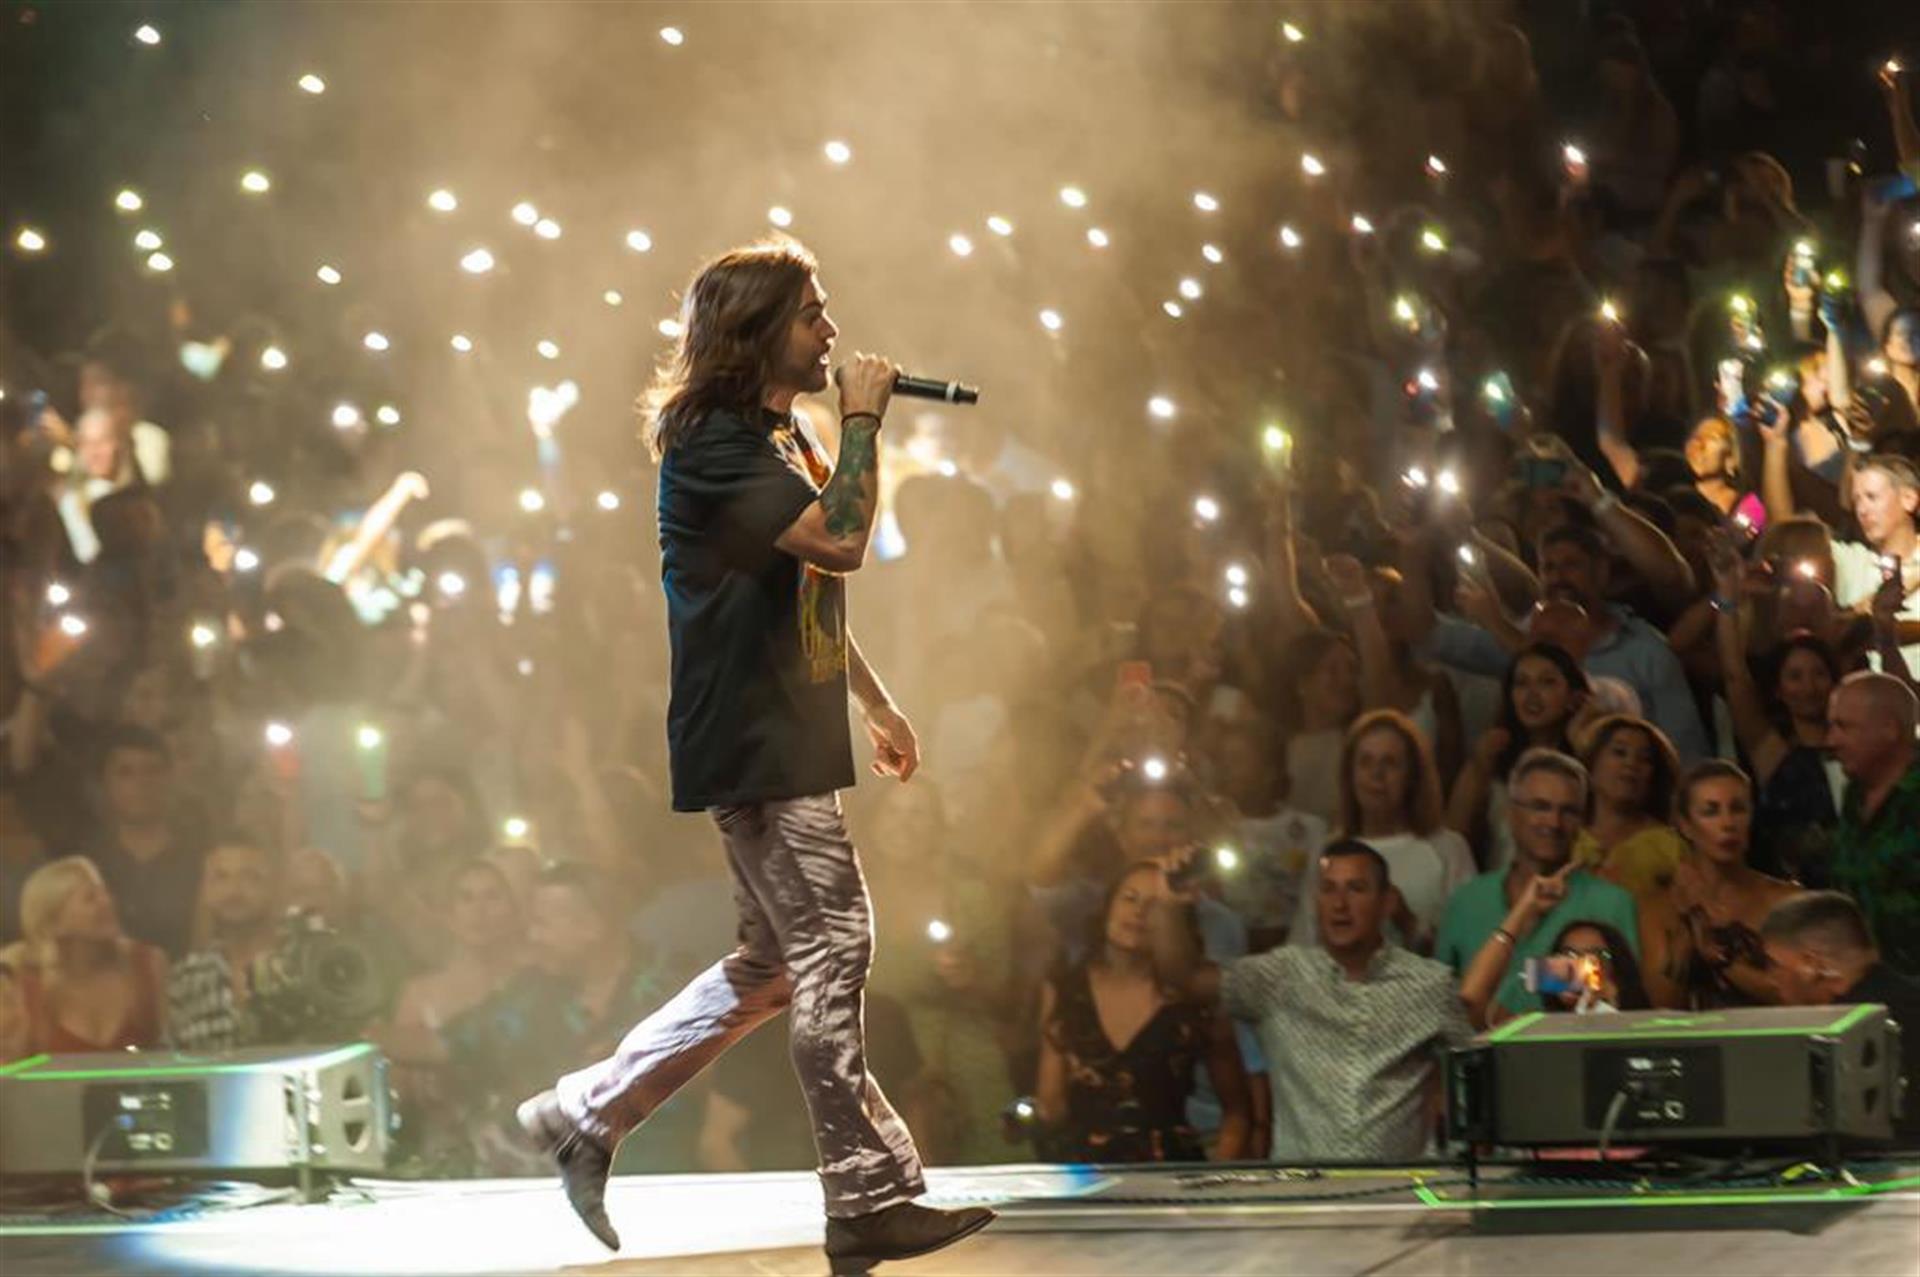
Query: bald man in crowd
x=1876, y=853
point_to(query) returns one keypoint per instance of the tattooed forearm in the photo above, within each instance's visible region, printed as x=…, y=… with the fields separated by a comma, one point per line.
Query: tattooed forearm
x=854, y=490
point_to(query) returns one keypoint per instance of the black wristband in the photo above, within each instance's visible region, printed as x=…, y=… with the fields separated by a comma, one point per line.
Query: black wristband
x=855, y=416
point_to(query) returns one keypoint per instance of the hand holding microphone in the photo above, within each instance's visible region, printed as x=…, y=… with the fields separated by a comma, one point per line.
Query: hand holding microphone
x=865, y=384
x=899, y=383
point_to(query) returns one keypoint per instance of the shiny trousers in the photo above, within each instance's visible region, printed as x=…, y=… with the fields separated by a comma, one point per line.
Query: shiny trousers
x=805, y=941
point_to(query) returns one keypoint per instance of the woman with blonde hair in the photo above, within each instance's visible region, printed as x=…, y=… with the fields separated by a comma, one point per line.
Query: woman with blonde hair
x=1627, y=839
x=86, y=984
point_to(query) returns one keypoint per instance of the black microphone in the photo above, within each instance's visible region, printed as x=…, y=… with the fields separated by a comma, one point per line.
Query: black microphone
x=928, y=388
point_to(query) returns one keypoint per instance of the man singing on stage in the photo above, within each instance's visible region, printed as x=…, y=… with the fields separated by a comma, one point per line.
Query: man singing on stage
x=755, y=532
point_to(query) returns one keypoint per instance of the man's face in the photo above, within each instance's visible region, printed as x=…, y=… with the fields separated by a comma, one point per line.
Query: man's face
x=103, y=389
x=804, y=366
x=135, y=781
x=97, y=445
x=238, y=887
x=1546, y=810
x=1882, y=506
x=564, y=934
x=1350, y=908
x=1860, y=736
x=1568, y=572
x=1796, y=975
x=1155, y=823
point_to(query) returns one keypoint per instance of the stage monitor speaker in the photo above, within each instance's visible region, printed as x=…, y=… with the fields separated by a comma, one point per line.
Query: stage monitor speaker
x=1764, y=1075
x=268, y=1109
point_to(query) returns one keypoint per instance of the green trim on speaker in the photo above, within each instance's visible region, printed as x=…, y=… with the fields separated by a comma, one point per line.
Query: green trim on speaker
x=184, y=1069
x=1760, y=1196
x=1678, y=1024
x=19, y=1066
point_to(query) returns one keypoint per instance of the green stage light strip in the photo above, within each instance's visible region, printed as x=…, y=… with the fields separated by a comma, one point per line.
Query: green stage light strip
x=1678, y=1025
x=1761, y=1196
x=21, y=1065
x=162, y=1072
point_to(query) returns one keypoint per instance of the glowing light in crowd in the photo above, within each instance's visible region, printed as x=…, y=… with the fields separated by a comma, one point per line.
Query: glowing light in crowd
x=58, y=594
x=376, y=341
x=1227, y=858
x=345, y=416
x=673, y=36
x=780, y=216
x=525, y=667
x=1274, y=439
x=1836, y=281
x=532, y=501
x=443, y=201
x=451, y=584
x=1404, y=312
x=639, y=241
x=1494, y=391
x=525, y=214
x=547, y=228
x=1876, y=367
x=311, y=83
x=1097, y=237
x=1573, y=155
x=260, y=492
x=668, y=327
x=1206, y=509
x=612, y=297
x=1426, y=380
x=245, y=559
x=837, y=152
x=608, y=500
x=938, y=931
x=203, y=636
x=1361, y=224
x=254, y=182
x=146, y=240
x=1162, y=407
x=273, y=359
x=1237, y=597
x=1205, y=202
x=947, y=467
x=1740, y=304
x=72, y=626
x=369, y=736
x=999, y=225
x=515, y=826
x=960, y=244
x=1467, y=556
x=387, y=415
x=1190, y=288
x=1293, y=34
x=1448, y=482
x=1310, y=165
x=159, y=263
x=279, y=735
x=1154, y=767
x=1236, y=574
x=1173, y=308
x=1289, y=238
x=548, y=348
x=1609, y=312
x=1432, y=240
x=477, y=262
x=1212, y=253
x=1415, y=477
x=327, y=275
x=129, y=201
x=274, y=622
x=1062, y=489
x=1436, y=166
x=1073, y=197
x=1051, y=321
x=29, y=240
x=147, y=34
x=461, y=343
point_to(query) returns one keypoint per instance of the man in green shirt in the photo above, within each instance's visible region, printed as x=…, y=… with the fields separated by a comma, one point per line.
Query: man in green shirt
x=1547, y=802
x=1876, y=849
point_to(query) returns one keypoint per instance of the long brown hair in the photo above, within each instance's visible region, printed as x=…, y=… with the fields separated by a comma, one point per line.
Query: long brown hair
x=733, y=333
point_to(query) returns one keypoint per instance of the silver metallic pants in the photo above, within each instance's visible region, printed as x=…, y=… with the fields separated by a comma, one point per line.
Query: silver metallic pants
x=806, y=940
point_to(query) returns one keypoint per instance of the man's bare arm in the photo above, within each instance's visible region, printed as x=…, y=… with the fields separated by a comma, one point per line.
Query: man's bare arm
x=832, y=533
x=862, y=681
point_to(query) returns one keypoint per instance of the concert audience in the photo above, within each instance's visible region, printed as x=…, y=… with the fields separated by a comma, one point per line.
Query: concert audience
x=1628, y=534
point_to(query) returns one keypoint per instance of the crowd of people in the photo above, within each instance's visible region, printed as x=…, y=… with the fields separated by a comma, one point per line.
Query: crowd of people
x=1559, y=654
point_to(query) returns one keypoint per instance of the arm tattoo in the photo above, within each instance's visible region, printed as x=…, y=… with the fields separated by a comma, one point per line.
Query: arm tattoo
x=853, y=491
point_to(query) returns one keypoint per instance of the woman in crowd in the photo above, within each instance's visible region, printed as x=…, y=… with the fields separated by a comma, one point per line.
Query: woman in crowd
x=1714, y=455
x=1392, y=675
x=1390, y=800
x=1321, y=691
x=1592, y=960
x=87, y=986
x=1702, y=936
x=1782, y=731
x=1542, y=697
x=1118, y=1052
x=488, y=934
x=1627, y=838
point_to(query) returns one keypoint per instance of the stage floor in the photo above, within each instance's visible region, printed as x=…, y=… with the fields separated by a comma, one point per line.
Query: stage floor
x=1054, y=1221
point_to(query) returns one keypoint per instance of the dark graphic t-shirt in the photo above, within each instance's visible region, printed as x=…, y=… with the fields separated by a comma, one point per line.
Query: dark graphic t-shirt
x=759, y=704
